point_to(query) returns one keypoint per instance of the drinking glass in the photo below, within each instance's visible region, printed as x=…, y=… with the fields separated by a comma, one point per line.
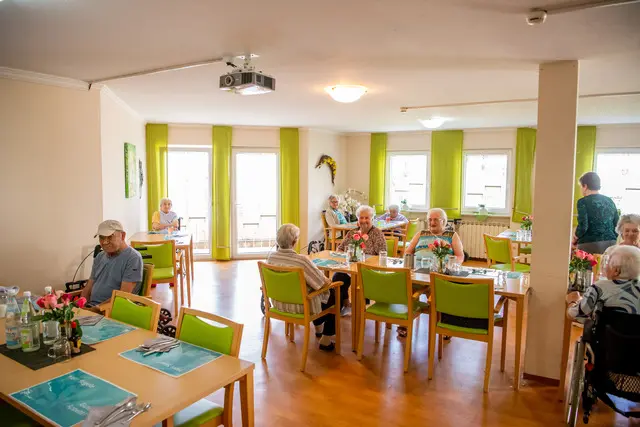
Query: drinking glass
x=60, y=350
x=383, y=258
x=427, y=262
x=50, y=331
x=349, y=254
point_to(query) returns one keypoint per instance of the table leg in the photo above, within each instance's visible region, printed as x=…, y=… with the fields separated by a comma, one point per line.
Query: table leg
x=566, y=343
x=189, y=269
x=193, y=274
x=333, y=239
x=246, y=399
x=355, y=312
x=168, y=422
x=521, y=304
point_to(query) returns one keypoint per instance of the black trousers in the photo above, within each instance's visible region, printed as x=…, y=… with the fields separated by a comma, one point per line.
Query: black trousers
x=329, y=320
x=346, y=282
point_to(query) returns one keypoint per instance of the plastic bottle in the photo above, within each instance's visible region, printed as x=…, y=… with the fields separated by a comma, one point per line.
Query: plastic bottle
x=30, y=329
x=12, y=321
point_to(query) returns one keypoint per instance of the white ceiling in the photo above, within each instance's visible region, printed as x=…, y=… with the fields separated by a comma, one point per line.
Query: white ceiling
x=409, y=52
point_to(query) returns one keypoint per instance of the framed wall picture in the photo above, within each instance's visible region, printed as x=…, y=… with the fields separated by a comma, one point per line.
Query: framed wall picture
x=130, y=170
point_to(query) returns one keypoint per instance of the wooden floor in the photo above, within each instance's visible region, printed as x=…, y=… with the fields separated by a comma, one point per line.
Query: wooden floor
x=340, y=391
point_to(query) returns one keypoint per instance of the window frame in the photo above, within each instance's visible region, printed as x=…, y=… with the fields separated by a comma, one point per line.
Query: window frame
x=612, y=150
x=470, y=210
x=387, y=184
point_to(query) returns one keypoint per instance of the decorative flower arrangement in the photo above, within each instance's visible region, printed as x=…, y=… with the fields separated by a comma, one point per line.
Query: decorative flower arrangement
x=358, y=241
x=581, y=261
x=440, y=249
x=351, y=201
x=527, y=222
x=328, y=160
x=59, y=306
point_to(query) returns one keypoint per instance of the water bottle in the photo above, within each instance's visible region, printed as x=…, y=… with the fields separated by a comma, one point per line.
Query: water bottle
x=12, y=321
x=30, y=329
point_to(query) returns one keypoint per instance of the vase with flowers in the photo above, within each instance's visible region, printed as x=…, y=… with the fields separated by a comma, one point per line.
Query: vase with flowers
x=527, y=225
x=356, y=246
x=580, y=274
x=440, y=249
x=59, y=306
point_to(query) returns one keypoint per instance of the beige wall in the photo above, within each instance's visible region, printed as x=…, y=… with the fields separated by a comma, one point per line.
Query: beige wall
x=357, y=165
x=51, y=176
x=119, y=124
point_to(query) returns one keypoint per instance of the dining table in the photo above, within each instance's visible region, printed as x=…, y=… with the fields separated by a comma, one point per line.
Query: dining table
x=345, y=228
x=518, y=239
x=519, y=293
x=167, y=394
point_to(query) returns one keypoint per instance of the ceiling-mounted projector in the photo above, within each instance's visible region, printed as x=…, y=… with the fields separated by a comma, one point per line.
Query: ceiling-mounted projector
x=247, y=82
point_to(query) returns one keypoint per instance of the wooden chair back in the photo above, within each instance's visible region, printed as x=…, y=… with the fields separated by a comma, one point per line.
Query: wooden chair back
x=224, y=339
x=133, y=309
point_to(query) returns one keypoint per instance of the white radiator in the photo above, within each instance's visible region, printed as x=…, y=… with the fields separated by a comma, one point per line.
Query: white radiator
x=471, y=235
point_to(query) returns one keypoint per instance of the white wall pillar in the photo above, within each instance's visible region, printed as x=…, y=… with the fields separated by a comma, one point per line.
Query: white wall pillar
x=553, y=209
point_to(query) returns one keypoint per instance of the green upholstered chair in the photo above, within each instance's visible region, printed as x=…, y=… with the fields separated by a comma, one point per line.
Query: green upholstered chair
x=500, y=255
x=287, y=285
x=218, y=334
x=134, y=310
x=12, y=417
x=407, y=235
x=394, y=302
x=464, y=308
x=162, y=256
x=392, y=246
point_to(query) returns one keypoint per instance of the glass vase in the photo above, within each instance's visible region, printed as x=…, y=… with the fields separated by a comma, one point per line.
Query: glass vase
x=441, y=264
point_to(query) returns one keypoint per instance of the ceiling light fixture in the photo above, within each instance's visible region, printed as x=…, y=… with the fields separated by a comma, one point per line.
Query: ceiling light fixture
x=433, y=122
x=346, y=93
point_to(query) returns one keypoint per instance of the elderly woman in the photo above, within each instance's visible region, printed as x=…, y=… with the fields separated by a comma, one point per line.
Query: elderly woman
x=393, y=214
x=437, y=222
x=165, y=217
x=332, y=214
x=286, y=256
x=619, y=290
x=597, y=217
x=373, y=245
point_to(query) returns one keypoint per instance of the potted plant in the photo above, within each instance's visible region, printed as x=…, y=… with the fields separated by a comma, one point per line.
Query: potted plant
x=440, y=250
x=580, y=274
x=483, y=213
x=404, y=205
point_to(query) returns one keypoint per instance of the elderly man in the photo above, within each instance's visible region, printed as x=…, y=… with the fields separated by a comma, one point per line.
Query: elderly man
x=118, y=267
x=393, y=214
x=286, y=256
x=619, y=290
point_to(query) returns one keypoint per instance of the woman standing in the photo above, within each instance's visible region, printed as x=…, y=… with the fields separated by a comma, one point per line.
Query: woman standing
x=597, y=217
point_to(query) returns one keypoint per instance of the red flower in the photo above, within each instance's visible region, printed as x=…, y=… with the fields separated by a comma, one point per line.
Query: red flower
x=40, y=302
x=524, y=218
x=81, y=302
x=362, y=245
x=436, y=243
x=66, y=298
x=74, y=324
x=356, y=236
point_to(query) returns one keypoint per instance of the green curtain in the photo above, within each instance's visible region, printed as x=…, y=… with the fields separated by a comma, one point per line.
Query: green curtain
x=525, y=155
x=585, y=158
x=290, y=176
x=221, y=193
x=377, y=163
x=157, y=142
x=446, y=171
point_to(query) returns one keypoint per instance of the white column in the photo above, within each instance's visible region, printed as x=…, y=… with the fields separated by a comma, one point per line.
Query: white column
x=553, y=209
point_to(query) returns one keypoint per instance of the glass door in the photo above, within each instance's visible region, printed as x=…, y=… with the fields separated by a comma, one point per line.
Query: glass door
x=189, y=182
x=255, y=202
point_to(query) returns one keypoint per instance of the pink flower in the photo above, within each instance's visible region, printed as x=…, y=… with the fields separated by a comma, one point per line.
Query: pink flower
x=81, y=302
x=530, y=217
x=431, y=246
x=436, y=243
x=365, y=237
x=356, y=236
x=362, y=245
x=51, y=302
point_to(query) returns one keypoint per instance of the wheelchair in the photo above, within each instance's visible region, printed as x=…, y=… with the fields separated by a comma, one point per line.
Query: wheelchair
x=606, y=365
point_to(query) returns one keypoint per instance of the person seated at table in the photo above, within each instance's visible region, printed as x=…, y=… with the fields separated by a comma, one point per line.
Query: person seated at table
x=620, y=290
x=628, y=230
x=118, y=267
x=285, y=256
x=165, y=217
x=332, y=214
x=437, y=223
x=375, y=242
x=393, y=214
x=597, y=217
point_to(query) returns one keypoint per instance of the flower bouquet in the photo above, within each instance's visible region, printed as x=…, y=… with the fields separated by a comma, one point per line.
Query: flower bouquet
x=357, y=242
x=527, y=222
x=580, y=276
x=59, y=307
x=440, y=249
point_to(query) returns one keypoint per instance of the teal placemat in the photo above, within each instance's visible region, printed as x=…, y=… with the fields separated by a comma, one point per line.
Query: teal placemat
x=104, y=330
x=324, y=262
x=66, y=400
x=176, y=362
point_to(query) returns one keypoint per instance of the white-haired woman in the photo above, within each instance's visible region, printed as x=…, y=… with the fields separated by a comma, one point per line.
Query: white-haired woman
x=165, y=217
x=286, y=256
x=332, y=214
x=620, y=290
x=374, y=243
x=437, y=222
x=393, y=214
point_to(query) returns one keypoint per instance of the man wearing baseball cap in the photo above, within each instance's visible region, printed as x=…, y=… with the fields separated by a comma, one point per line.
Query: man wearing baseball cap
x=118, y=267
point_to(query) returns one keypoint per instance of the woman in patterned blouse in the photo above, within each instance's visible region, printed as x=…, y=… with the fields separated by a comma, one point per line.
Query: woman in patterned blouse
x=597, y=217
x=374, y=244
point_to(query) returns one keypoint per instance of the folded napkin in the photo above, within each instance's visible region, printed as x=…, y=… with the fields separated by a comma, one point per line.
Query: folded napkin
x=96, y=413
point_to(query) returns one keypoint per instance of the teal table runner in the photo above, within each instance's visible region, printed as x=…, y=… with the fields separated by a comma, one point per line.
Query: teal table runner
x=176, y=362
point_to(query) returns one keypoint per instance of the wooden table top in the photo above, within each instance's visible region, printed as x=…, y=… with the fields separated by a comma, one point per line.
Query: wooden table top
x=167, y=394
x=145, y=236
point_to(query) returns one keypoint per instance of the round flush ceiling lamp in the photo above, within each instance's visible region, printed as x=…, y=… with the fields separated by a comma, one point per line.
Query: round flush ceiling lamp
x=346, y=93
x=433, y=122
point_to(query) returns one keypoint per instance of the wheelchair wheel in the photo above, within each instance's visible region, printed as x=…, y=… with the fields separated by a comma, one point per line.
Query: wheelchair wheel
x=262, y=304
x=576, y=385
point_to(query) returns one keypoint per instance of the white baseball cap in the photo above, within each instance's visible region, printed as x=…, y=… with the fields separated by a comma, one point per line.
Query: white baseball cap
x=108, y=227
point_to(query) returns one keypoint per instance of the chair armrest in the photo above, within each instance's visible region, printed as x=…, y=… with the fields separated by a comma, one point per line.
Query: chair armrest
x=324, y=289
x=499, y=305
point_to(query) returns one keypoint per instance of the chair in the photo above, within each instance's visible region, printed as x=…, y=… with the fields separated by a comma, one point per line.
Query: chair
x=147, y=280
x=224, y=337
x=392, y=246
x=462, y=307
x=134, y=310
x=287, y=285
x=395, y=302
x=500, y=255
x=165, y=269
x=330, y=243
x=410, y=231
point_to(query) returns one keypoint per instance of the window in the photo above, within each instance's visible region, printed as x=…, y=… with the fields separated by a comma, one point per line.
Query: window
x=408, y=179
x=620, y=178
x=485, y=181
